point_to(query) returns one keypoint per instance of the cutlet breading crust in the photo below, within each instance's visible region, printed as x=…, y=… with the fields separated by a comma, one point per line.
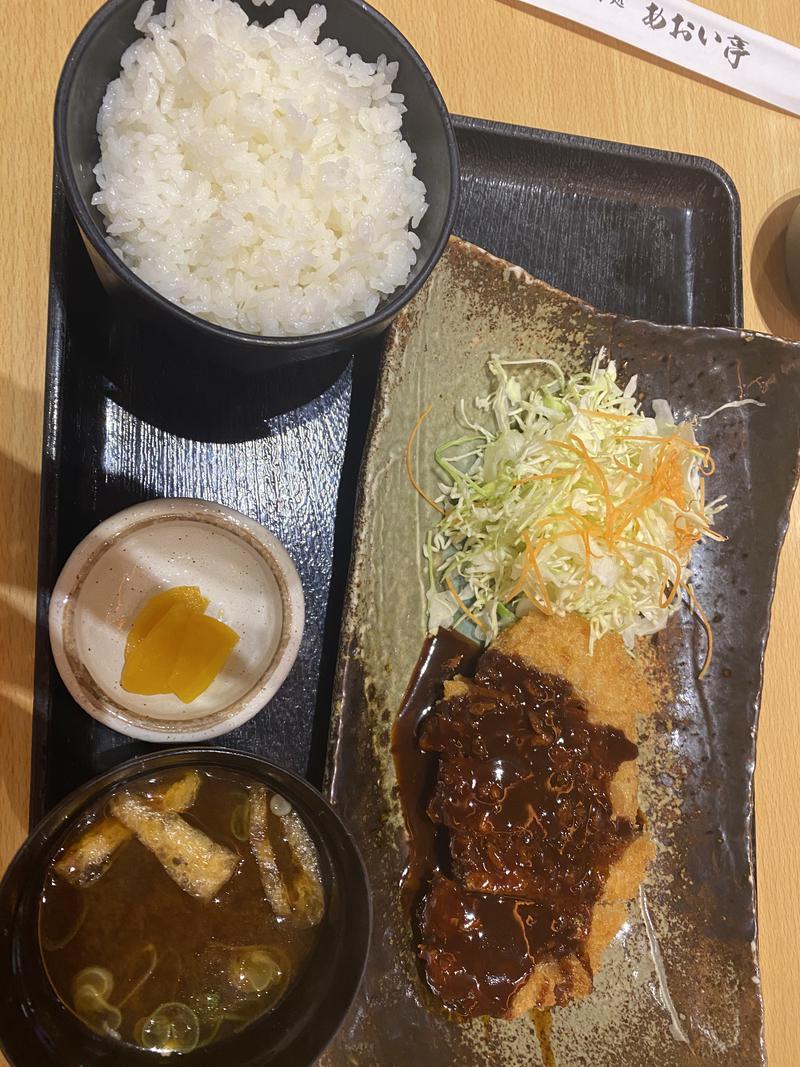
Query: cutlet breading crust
x=608, y=680
x=615, y=691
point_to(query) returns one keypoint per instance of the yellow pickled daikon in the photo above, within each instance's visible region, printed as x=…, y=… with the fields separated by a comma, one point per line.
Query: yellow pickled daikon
x=173, y=647
x=206, y=645
x=157, y=607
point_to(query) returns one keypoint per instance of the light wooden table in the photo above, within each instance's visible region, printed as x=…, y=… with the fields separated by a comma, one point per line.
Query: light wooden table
x=495, y=59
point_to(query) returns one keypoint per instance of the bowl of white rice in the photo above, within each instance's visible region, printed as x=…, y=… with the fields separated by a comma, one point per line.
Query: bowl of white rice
x=262, y=182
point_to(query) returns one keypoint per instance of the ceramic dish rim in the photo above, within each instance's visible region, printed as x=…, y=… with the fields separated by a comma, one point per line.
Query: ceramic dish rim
x=95, y=701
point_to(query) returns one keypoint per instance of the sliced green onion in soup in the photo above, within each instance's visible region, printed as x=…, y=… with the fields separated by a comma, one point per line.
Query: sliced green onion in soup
x=97, y=979
x=254, y=969
x=240, y=821
x=172, y=1027
x=90, y=989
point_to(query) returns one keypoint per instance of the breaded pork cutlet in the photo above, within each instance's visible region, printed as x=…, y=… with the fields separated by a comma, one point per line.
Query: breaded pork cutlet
x=537, y=788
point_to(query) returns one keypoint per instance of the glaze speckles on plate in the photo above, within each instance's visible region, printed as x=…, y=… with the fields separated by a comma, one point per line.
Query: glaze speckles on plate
x=240, y=567
x=680, y=983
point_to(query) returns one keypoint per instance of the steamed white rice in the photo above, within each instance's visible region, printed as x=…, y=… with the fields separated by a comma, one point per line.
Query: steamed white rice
x=255, y=175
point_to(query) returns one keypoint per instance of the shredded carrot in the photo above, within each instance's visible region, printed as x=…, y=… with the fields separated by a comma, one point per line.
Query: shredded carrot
x=672, y=594
x=519, y=585
x=664, y=598
x=662, y=602
x=629, y=510
x=583, y=455
x=567, y=448
x=587, y=562
x=547, y=520
x=630, y=470
x=707, y=627
x=463, y=606
x=661, y=552
x=409, y=468
x=551, y=539
x=686, y=535
x=535, y=568
x=582, y=527
x=596, y=470
x=700, y=450
x=666, y=482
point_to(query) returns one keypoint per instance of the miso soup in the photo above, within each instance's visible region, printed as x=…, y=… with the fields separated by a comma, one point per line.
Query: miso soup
x=181, y=909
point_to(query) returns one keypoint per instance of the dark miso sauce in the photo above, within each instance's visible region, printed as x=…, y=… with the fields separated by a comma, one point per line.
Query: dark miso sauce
x=505, y=790
x=444, y=655
x=137, y=957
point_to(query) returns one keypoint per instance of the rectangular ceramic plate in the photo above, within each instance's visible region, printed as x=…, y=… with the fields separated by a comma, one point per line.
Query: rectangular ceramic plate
x=633, y=230
x=680, y=984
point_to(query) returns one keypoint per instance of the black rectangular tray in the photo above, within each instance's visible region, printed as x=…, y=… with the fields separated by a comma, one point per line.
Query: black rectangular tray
x=646, y=233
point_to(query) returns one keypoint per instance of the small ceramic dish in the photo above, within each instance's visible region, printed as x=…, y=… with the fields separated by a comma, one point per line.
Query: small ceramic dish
x=239, y=566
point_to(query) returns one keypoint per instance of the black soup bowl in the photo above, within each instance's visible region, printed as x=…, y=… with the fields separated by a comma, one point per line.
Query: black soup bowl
x=94, y=61
x=38, y=1030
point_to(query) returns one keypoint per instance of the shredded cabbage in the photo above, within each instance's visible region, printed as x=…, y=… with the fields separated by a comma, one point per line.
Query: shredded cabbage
x=560, y=495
